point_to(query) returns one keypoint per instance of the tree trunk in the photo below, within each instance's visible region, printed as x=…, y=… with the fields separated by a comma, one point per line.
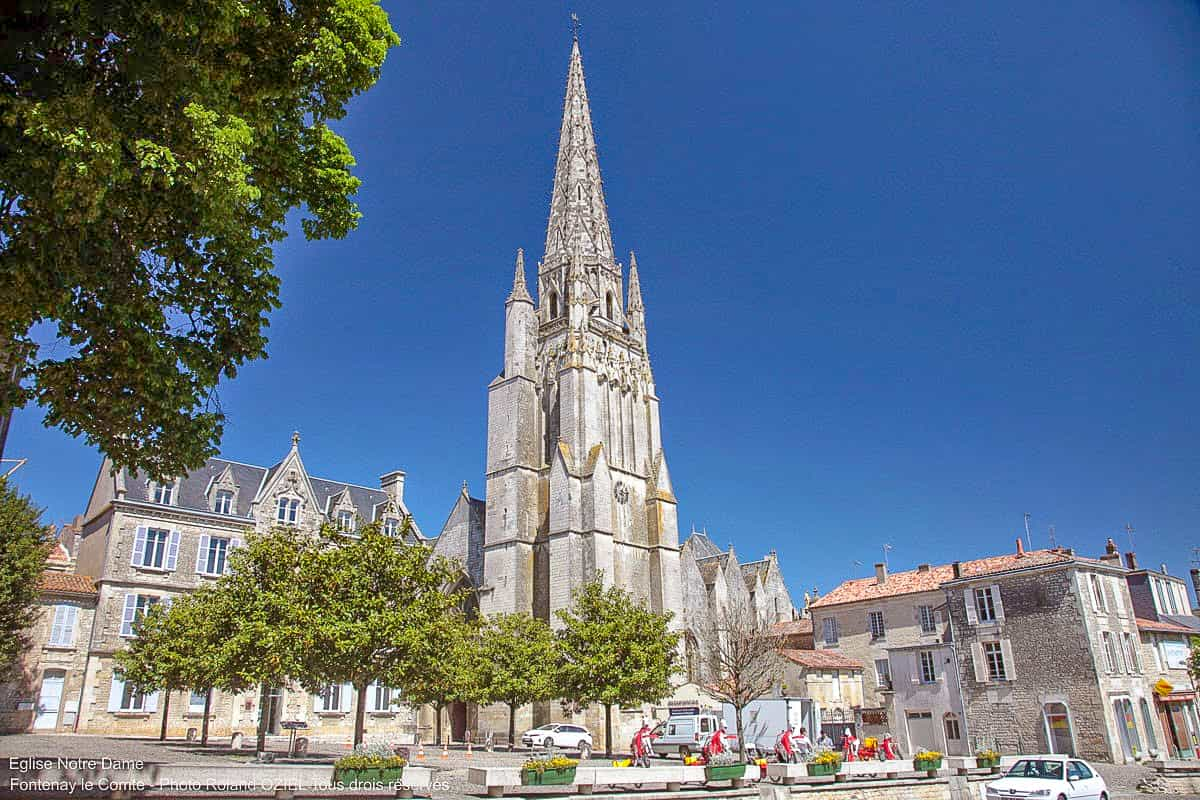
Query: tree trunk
x=512, y=727
x=437, y=723
x=162, y=731
x=740, y=734
x=360, y=709
x=204, y=724
x=7, y=372
x=608, y=749
x=263, y=694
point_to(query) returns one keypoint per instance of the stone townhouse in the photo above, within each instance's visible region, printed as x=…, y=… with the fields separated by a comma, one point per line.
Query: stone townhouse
x=831, y=680
x=44, y=694
x=866, y=619
x=926, y=699
x=1048, y=654
x=148, y=542
x=1166, y=627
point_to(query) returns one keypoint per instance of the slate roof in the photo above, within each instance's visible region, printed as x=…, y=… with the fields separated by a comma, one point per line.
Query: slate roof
x=820, y=659
x=67, y=583
x=754, y=569
x=928, y=580
x=710, y=567
x=702, y=545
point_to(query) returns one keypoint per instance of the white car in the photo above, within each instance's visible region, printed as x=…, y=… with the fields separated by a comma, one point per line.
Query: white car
x=1056, y=777
x=561, y=735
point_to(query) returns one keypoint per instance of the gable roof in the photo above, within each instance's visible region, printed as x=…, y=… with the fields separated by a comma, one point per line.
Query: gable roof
x=796, y=627
x=755, y=569
x=711, y=566
x=67, y=583
x=820, y=659
x=930, y=579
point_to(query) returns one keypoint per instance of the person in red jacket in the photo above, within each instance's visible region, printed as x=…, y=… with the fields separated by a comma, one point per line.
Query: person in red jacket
x=641, y=746
x=715, y=743
x=784, y=750
x=888, y=745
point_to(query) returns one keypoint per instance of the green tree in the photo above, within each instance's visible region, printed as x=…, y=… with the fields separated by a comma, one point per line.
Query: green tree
x=177, y=647
x=23, y=549
x=448, y=672
x=150, y=153
x=257, y=615
x=516, y=664
x=614, y=651
x=373, y=609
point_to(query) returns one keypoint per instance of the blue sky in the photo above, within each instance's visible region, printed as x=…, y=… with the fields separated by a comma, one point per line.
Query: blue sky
x=910, y=270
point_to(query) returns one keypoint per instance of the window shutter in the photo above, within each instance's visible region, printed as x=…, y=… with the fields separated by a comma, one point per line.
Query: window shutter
x=114, y=693
x=978, y=661
x=1117, y=606
x=969, y=603
x=173, y=550
x=347, y=693
x=67, y=632
x=1010, y=666
x=317, y=700
x=916, y=668
x=139, y=547
x=151, y=704
x=202, y=555
x=56, y=627
x=999, y=603
x=128, y=614
x=234, y=544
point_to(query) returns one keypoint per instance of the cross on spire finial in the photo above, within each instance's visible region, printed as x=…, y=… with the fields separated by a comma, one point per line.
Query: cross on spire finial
x=574, y=26
x=295, y=438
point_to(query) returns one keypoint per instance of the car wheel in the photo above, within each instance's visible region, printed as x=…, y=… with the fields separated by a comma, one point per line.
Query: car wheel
x=1062, y=797
x=548, y=742
x=585, y=751
x=684, y=751
x=1104, y=796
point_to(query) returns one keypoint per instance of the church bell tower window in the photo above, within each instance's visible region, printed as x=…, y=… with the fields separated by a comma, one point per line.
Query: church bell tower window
x=608, y=305
x=554, y=305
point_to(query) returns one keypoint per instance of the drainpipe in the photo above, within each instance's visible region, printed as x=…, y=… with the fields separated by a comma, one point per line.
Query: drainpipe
x=966, y=726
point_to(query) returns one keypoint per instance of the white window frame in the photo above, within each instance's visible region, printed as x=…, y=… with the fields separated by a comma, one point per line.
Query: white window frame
x=994, y=661
x=162, y=494
x=1110, y=652
x=195, y=702
x=829, y=630
x=373, y=697
x=223, y=501
x=62, y=628
x=345, y=521
x=927, y=618
x=136, y=606
x=391, y=526
x=927, y=666
x=124, y=698
x=287, y=510
x=883, y=677
x=1099, y=603
x=876, y=625
x=985, y=604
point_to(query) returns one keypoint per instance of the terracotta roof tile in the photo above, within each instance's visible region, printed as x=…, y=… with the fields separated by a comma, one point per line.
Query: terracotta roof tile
x=67, y=583
x=928, y=580
x=1162, y=626
x=820, y=659
x=793, y=628
x=58, y=554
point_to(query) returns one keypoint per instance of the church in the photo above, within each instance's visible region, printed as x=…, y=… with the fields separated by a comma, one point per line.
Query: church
x=577, y=479
x=577, y=486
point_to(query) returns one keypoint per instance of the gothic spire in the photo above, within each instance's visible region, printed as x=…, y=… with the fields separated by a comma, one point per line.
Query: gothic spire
x=578, y=217
x=635, y=286
x=519, y=291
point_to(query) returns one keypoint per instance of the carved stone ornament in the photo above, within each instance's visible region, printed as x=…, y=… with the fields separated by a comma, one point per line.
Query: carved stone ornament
x=621, y=492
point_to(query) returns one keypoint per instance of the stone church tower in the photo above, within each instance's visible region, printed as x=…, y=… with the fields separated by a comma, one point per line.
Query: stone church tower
x=577, y=483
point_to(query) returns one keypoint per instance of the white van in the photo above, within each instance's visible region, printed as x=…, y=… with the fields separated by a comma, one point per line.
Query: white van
x=685, y=731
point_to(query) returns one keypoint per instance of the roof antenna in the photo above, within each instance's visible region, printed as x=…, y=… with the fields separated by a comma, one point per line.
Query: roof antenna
x=1053, y=542
x=1028, y=539
x=1129, y=532
x=886, y=549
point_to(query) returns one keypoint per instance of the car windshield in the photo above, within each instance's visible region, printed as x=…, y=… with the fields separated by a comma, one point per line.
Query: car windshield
x=549, y=727
x=1037, y=768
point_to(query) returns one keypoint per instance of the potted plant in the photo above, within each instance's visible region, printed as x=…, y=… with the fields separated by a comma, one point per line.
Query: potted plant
x=724, y=767
x=368, y=765
x=927, y=761
x=987, y=759
x=825, y=762
x=555, y=771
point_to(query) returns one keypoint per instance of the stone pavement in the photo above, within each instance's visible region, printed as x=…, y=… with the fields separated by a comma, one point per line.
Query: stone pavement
x=451, y=772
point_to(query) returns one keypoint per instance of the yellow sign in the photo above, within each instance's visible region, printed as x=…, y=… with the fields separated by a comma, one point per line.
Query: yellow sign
x=1163, y=687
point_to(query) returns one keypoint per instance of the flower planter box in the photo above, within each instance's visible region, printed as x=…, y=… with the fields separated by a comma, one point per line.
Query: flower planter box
x=817, y=770
x=927, y=766
x=549, y=777
x=388, y=775
x=725, y=773
x=987, y=763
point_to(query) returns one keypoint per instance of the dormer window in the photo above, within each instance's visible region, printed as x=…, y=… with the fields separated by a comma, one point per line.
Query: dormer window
x=345, y=521
x=164, y=494
x=288, y=510
x=223, y=501
x=391, y=526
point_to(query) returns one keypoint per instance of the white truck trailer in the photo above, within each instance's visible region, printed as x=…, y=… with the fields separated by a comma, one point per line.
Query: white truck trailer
x=764, y=719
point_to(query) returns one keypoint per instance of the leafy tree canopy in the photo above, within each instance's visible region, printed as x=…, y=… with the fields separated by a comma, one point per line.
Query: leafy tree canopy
x=23, y=549
x=516, y=663
x=149, y=155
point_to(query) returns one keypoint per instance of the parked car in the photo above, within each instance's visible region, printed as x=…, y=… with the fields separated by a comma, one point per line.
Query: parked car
x=685, y=731
x=1056, y=777
x=562, y=735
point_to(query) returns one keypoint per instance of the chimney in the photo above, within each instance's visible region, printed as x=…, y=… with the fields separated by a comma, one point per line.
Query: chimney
x=1131, y=560
x=1020, y=547
x=1163, y=569
x=392, y=485
x=922, y=568
x=1111, y=556
x=957, y=567
x=881, y=574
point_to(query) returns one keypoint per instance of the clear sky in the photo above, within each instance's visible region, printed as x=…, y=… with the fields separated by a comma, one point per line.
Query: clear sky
x=910, y=270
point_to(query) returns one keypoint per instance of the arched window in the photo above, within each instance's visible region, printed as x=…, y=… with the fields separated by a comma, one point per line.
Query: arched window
x=554, y=305
x=608, y=306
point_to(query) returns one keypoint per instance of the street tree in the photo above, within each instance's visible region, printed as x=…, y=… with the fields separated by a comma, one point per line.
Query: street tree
x=740, y=660
x=150, y=154
x=372, y=608
x=447, y=671
x=24, y=545
x=516, y=659
x=176, y=646
x=614, y=651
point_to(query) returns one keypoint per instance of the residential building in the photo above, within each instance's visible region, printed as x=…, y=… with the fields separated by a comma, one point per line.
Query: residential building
x=1047, y=652
x=926, y=699
x=832, y=680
